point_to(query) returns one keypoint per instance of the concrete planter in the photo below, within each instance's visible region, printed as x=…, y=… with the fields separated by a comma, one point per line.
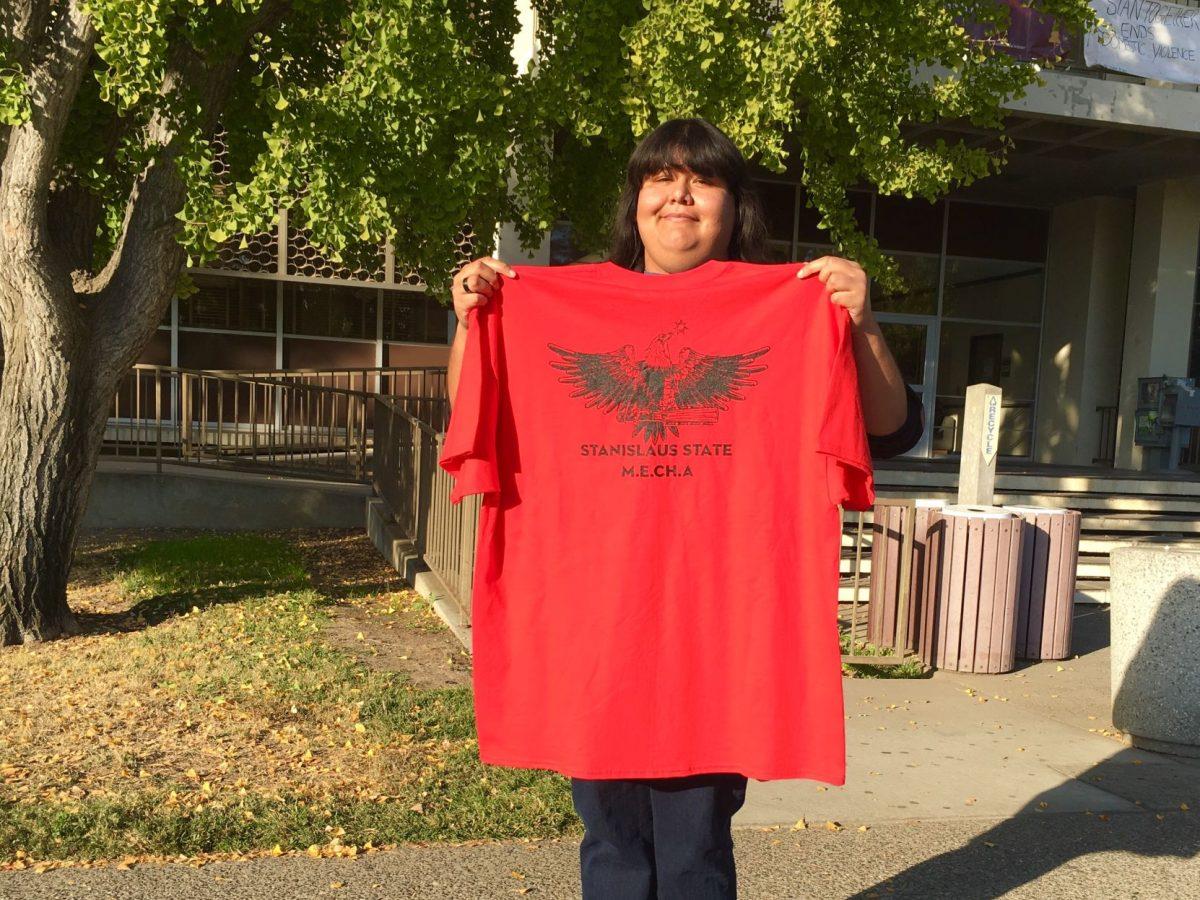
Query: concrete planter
x=1155, y=629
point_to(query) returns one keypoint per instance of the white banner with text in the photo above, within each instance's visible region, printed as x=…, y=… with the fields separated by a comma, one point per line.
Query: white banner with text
x=1150, y=39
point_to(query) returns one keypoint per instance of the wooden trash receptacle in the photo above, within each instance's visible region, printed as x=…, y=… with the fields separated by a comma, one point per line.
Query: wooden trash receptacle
x=1046, y=597
x=888, y=541
x=974, y=615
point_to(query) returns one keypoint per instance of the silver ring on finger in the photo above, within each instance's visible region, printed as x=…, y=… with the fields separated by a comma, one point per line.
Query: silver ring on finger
x=466, y=284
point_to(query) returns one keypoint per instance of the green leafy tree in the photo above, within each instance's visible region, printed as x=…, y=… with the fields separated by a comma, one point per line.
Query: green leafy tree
x=397, y=120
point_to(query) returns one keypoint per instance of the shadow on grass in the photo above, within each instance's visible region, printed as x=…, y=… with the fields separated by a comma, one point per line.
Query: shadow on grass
x=344, y=565
x=158, y=609
x=197, y=571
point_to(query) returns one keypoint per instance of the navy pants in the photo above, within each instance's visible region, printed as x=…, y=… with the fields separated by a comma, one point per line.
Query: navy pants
x=666, y=838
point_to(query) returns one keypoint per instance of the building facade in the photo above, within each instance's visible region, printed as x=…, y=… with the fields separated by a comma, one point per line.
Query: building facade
x=1062, y=280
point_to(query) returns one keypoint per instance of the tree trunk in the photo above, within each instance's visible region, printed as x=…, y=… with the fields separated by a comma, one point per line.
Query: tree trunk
x=71, y=340
x=53, y=407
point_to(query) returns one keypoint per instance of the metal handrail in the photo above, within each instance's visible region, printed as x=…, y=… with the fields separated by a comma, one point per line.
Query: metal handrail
x=416, y=490
x=197, y=416
x=1106, y=449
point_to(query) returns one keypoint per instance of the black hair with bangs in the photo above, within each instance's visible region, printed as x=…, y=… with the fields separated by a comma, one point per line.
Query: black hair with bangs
x=700, y=146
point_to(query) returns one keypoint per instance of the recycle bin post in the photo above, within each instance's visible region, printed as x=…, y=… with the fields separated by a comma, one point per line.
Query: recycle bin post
x=981, y=437
x=970, y=626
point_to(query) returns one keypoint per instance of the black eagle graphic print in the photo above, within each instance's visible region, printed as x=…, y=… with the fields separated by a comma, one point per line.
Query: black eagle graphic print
x=659, y=391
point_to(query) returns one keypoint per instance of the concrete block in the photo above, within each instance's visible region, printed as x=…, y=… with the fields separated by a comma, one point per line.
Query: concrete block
x=392, y=542
x=1155, y=593
x=134, y=495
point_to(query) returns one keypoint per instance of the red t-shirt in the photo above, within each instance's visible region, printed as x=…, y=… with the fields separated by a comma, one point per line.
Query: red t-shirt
x=662, y=458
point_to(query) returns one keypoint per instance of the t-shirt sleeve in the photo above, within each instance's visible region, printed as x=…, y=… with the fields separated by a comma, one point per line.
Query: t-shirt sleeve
x=843, y=434
x=469, y=450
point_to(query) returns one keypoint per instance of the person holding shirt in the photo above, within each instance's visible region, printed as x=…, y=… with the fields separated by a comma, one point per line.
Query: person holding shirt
x=688, y=199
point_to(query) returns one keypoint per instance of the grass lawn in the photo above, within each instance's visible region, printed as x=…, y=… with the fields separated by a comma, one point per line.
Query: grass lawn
x=206, y=709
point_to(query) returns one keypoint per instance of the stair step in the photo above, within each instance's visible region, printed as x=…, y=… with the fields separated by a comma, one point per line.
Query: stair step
x=1091, y=592
x=941, y=483
x=1087, y=568
x=1096, y=504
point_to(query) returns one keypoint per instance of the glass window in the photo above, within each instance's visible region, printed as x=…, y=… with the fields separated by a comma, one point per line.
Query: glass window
x=404, y=316
x=1003, y=355
x=994, y=289
x=437, y=322
x=779, y=251
x=914, y=225
x=806, y=252
x=1015, y=434
x=974, y=352
x=329, y=310
x=229, y=303
x=860, y=203
x=997, y=232
x=907, y=343
x=562, y=244
x=920, y=273
x=413, y=317
x=778, y=200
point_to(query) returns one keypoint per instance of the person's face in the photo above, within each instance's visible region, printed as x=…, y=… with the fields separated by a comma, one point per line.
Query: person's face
x=684, y=219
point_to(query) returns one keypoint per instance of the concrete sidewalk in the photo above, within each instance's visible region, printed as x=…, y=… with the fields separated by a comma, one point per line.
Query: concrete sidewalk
x=958, y=786
x=1033, y=741
x=1065, y=855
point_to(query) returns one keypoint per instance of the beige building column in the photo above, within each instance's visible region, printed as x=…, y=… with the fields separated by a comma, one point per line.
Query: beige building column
x=1162, y=295
x=1087, y=274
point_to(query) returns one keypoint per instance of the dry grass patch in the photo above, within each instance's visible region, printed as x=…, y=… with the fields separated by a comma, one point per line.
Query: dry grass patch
x=205, y=708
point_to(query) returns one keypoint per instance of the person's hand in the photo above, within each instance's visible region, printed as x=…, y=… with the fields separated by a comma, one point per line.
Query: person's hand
x=476, y=282
x=847, y=284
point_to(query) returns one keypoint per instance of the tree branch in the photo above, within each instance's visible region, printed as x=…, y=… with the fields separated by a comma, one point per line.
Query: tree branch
x=141, y=274
x=74, y=212
x=33, y=146
x=22, y=24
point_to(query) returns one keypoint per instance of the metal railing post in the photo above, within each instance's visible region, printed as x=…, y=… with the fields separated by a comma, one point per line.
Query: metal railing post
x=158, y=420
x=906, y=547
x=185, y=417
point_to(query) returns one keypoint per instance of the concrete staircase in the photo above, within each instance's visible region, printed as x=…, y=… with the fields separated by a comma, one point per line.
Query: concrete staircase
x=1118, y=507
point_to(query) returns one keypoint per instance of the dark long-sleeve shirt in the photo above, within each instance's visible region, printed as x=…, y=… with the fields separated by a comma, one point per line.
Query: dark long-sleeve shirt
x=905, y=437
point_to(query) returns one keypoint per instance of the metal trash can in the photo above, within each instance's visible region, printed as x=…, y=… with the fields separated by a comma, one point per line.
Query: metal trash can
x=1046, y=598
x=885, y=625
x=974, y=614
